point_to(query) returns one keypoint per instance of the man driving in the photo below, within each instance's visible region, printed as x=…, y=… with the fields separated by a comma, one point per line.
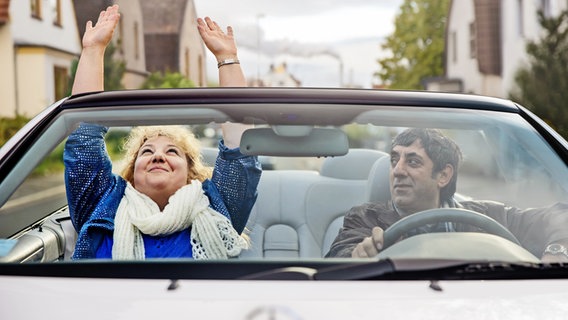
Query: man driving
x=423, y=175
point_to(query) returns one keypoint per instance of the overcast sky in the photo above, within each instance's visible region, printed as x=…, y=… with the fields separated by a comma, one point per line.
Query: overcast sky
x=323, y=42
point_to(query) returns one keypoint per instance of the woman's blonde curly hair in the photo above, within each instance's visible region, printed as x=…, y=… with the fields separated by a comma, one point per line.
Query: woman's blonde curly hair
x=181, y=136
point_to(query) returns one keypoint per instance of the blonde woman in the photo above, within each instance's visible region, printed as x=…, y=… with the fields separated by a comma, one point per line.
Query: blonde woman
x=165, y=203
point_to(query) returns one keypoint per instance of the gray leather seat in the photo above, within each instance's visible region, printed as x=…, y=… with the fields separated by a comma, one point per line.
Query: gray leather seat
x=298, y=213
x=209, y=155
x=378, y=186
x=356, y=165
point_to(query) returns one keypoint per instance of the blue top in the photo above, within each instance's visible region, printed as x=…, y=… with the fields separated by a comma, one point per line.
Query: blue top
x=94, y=193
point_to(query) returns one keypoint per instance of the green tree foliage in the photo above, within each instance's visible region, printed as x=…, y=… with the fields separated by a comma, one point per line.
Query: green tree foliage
x=9, y=127
x=74, y=64
x=114, y=69
x=158, y=80
x=417, y=45
x=542, y=86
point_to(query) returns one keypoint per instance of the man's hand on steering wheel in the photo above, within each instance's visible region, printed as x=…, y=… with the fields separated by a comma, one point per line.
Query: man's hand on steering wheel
x=379, y=239
x=370, y=246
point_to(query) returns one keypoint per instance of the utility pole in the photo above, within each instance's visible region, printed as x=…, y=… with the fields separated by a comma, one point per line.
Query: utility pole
x=258, y=17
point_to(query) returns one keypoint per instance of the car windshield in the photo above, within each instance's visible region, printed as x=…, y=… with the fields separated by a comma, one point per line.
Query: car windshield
x=304, y=197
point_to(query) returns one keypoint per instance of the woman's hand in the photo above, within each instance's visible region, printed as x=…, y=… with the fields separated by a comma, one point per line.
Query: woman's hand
x=224, y=47
x=221, y=44
x=90, y=70
x=100, y=34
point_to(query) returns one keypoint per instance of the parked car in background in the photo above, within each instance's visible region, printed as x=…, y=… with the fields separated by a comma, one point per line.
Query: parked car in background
x=329, y=151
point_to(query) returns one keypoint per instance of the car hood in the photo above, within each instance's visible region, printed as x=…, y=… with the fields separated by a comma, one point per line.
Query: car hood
x=66, y=298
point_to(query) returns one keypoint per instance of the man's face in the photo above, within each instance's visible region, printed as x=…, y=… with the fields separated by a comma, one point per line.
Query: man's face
x=413, y=187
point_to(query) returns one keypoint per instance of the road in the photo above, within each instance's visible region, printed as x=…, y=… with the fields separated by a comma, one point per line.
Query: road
x=30, y=202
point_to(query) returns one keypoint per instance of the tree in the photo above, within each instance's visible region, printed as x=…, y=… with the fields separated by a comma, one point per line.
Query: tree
x=542, y=86
x=113, y=71
x=417, y=45
x=9, y=127
x=167, y=80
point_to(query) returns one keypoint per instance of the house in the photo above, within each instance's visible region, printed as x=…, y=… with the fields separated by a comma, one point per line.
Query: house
x=172, y=41
x=279, y=76
x=128, y=38
x=7, y=76
x=38, y=41
x=153, y=35
x=486, y=41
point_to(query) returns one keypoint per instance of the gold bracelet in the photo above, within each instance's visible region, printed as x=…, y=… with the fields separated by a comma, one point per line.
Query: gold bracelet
x=227, y=61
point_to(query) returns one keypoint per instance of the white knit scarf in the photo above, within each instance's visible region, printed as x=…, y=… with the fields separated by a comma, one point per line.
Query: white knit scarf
x=212, y=234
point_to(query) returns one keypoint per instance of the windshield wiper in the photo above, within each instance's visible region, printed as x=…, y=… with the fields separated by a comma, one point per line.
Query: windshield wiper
x=342, y=272
x=418, y=269
x=507, y=270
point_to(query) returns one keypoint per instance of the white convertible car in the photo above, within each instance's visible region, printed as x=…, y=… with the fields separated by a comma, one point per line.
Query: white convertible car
x=324, y=152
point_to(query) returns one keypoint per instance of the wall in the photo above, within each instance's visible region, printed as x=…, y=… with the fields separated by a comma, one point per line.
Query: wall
x=518, y=25
x=459, y=62
x=132, y=43
x=192, y=51
x=8, y=75
x=40, y=46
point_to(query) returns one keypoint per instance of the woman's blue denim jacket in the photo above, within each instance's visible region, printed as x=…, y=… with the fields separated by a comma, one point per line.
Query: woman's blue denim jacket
x=94, y=193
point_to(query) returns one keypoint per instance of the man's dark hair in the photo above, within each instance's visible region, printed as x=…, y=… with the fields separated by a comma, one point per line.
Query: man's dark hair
x=439, y=148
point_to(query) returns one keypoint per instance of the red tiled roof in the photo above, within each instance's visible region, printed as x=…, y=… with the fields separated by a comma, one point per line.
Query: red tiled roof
x=4, y=11
x=163, y=16
x=163, y=21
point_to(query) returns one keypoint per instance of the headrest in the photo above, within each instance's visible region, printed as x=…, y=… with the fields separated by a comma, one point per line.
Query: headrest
x=355, y=165
x=378, y=185
x=209, y=155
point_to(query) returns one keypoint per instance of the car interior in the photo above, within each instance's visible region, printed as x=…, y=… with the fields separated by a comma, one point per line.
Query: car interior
x=298, y=212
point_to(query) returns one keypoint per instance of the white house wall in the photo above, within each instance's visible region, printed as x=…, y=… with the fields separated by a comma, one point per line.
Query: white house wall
x=28, y=30
x=513, y=43
x=515, y=40
x=132, y=41
x=32, y=82
x=7, y=76
x=459, y=62
x=35, y=74
x=190, y=42
x=40, y=46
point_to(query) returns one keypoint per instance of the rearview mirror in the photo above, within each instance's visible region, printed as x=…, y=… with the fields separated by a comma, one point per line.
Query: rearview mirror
x=294, y=142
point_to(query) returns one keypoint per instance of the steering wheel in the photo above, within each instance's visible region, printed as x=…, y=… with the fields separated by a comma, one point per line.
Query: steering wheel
x=403, y=226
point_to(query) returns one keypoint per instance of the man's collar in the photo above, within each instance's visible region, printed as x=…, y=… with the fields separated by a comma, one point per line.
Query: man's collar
x=451, y=203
